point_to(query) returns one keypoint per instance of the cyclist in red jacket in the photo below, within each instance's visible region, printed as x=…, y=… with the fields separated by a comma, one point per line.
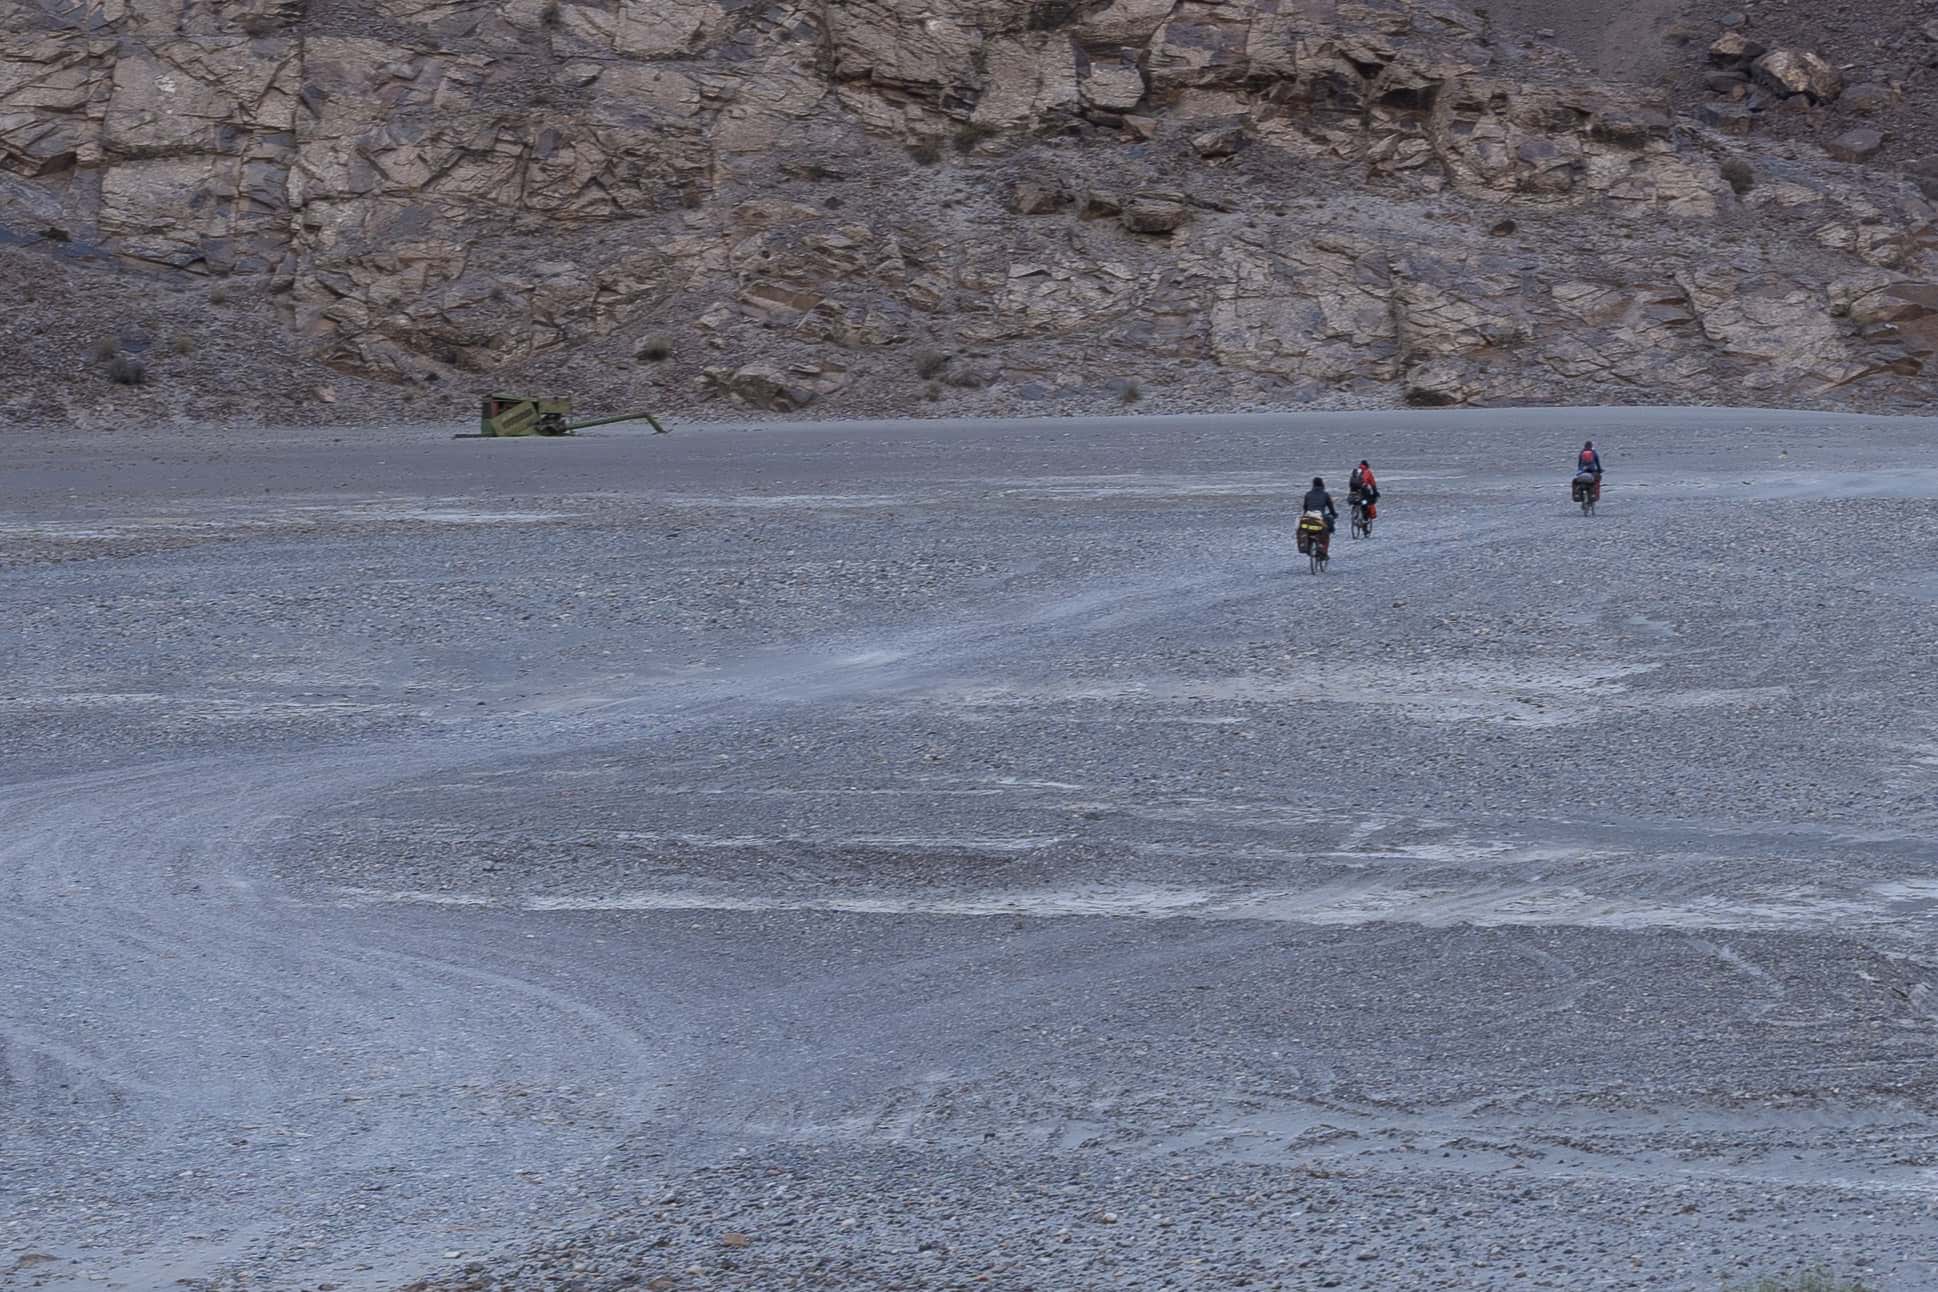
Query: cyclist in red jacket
x=1363, y=486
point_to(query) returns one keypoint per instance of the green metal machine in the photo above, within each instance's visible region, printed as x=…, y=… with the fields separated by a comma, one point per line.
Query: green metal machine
x=514, y=415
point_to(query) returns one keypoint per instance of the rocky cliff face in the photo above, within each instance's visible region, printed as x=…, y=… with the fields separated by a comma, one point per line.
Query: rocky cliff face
x=969, y=205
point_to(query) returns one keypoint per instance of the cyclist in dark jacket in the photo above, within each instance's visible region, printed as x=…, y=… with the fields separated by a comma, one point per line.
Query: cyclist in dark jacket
x=1588, y=463
x=1317, y=499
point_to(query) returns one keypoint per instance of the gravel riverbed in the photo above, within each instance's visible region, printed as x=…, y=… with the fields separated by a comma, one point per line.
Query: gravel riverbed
x=955, y=855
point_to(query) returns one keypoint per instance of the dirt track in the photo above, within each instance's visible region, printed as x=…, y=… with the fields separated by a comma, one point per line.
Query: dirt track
x=935, y=851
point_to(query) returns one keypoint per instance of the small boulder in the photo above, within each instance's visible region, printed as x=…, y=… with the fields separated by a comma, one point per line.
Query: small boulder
x=971, y=377
x=1794, y=72
x=1868, y=98
x=1154, y=213
x=1856, y=145
x=1113, y=87
x=1141, y=127
x=1102, y=204
x=1726, y=82
x=1222, y=141
x=1039, y=197
x=1629, y=127
x=1734, y=49
x=1730, y=118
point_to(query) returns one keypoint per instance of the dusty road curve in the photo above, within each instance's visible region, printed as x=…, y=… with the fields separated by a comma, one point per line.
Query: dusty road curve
x=940, y=852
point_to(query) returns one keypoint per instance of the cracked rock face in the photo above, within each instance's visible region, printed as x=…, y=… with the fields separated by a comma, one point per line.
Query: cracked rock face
x=1292, y=195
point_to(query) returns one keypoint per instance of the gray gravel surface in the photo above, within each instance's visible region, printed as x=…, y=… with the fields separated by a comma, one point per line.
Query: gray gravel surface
x=958, y=855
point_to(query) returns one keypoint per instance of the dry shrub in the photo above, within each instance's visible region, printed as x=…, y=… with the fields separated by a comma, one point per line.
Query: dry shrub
x=1741, y=178
x=1811, y=1280
x=970, y=378
x=972, y=134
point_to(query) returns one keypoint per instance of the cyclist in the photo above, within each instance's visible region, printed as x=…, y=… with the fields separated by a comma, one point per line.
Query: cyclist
x=1362, y=488
x=1362, y=482
x=1317, y=499
x=1588, y=471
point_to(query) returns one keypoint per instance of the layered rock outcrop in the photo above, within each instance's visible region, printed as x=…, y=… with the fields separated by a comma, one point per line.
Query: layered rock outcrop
x=1279, y=198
